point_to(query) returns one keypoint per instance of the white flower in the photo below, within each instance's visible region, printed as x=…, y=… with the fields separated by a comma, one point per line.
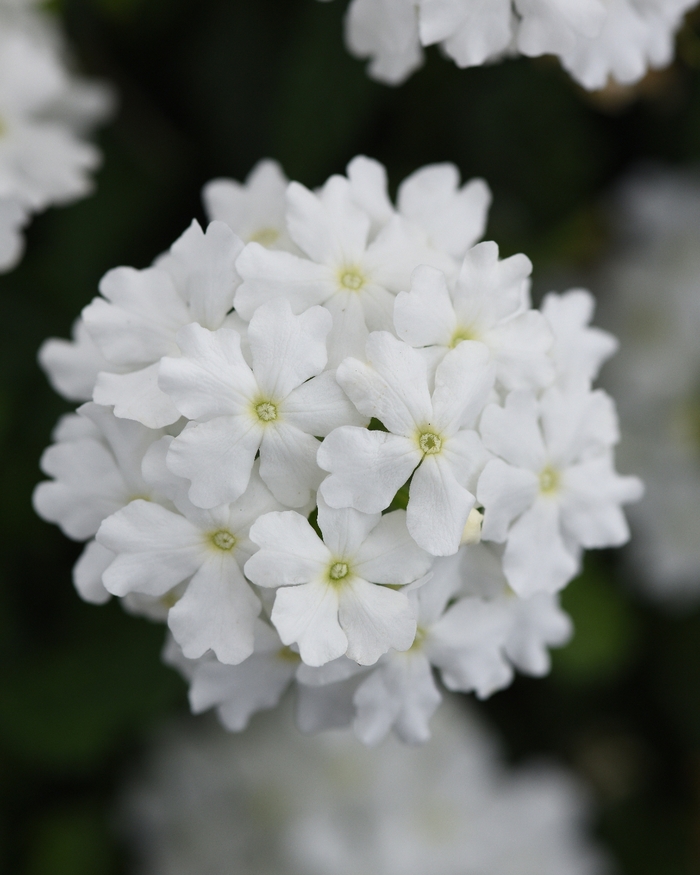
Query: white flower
x=453, y=218
x=386, y=32
x=553, y=26
x=96, y=465
x=634, y=37
x=72, y=365
x=429, y=434
x=336, y=596
x=41, y=160
x=579, y=350
x=255, y=210
x=13, y=217
x=354, y=277
x=472, y=628
x=554, y=489
x=134, y=323
x=274, y=407
x=596, y=40
x=238, y=691
x=489, y=303
x=498, y=628
x=45, y=113
x=471, y=32
x=157, y=549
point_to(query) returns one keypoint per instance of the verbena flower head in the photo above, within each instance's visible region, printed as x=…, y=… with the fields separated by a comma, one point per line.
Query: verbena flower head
x=293, y=451
x=595, y=40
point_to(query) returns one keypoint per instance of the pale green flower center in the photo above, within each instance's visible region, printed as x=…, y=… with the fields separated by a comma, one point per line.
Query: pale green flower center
x=223, y=540
x=286, y=654
x=419, y=639
x=265, y=236
x=462, y=334
x=352, y=279
x=338, y=571
x=266, y=411
x=170, y=599
x=430, y=443
x=549, y=480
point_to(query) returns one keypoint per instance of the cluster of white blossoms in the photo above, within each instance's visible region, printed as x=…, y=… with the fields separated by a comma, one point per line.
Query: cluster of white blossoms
x=273, y=801
x=302, y=422
x=652, y=298
x=45, y=112
x=595, y=40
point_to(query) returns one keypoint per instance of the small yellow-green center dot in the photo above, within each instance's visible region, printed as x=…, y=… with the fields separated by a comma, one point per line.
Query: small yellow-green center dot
x=223, y=540
x=352, y=279
x=430, y=443
x=286, y=654
x=265, y=236
x=267, y=411
x=419, y=639
x=462, y=334
x=549, y=480
x=338, y=571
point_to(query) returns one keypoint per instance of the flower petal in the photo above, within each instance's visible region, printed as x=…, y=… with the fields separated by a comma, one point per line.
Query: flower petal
x=505, y=492
x=136, y=396
x=345, y=529
x=393, y=387
x=536, y=558
x=267, y=275
x=217, y=612
x=320, y=405
x=156, y=549
x=463, y=382
x=438, y=507
x=211, y=378
x=287, y=349
x=367, y=467
x=288, y=464
x=307, y=615
x=513, y=433
x=290, y=550
x=375, y=619
x=88, y=571
x=425, y=315
x=389, y=554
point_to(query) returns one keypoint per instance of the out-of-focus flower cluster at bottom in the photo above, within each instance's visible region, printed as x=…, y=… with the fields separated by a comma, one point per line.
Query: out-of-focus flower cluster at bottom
x=272, y=800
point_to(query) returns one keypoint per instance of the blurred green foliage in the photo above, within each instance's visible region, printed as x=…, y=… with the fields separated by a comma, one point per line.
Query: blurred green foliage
x=207, y=88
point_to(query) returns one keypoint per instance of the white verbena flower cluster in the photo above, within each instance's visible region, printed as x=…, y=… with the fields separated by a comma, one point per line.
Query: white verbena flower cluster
x=273, y=801
x=652, y=298
x=595, y=40
x=45, y=112
x=291, y=447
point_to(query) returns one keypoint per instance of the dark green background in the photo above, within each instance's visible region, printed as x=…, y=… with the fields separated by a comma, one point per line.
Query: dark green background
x=207, y=88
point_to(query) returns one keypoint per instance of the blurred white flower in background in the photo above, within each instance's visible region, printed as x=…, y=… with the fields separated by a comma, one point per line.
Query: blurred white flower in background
x=290, y=450
x=273, y=801
x=651, y=299
x=45, y=113
x=595, y=40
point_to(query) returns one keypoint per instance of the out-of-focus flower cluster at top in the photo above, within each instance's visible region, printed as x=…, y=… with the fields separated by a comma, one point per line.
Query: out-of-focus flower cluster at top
x=652, y=300
x=45, y=113
x=595, y=40
x=274, y=801
x=304, y=420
